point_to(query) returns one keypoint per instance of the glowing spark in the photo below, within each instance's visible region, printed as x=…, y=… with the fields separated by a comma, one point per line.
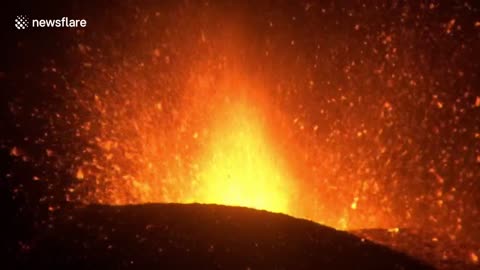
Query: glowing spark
x=80, y=175
x=473, y=257
x=450, y=25
x=394, y=230
x=15, y=152
x=354, y=203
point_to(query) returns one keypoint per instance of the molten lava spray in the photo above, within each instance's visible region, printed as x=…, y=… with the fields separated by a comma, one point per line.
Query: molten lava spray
x=218, y=143
x=240, y=166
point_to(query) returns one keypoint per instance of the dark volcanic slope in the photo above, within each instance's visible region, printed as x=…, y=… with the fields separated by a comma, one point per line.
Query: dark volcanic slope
x=439, y=250
x=197, y=236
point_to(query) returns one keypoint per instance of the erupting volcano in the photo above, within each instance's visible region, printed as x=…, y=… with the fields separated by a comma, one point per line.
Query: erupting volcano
x=363, y=117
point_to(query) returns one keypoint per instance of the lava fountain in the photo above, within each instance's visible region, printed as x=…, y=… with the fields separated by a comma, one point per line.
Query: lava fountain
x=219, y=143
x=240, y=166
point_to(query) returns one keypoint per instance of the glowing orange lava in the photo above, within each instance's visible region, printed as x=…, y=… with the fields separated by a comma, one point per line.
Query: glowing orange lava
x=240, y=167
x=219, y=146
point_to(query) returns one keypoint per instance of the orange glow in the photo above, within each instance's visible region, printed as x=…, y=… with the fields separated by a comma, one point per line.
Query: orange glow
x=221, y=142
x=220, y=148
x=214, y=131
x=240, y=167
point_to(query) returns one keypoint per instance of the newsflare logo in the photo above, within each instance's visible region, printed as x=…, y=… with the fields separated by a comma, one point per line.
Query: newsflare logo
x=22, y=22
